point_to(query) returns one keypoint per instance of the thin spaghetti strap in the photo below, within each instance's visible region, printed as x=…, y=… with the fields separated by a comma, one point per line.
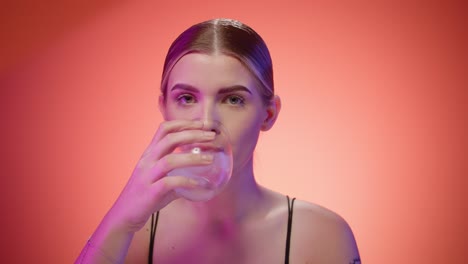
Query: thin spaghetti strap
x=288, y=237
x=154, y=224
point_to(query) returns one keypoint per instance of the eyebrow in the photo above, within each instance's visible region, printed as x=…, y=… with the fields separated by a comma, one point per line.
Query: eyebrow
x=229, y=89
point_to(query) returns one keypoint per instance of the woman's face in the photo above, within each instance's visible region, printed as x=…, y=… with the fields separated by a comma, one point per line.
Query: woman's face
x=218, y=88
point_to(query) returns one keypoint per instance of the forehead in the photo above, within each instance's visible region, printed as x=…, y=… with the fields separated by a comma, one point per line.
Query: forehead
x=210, y=72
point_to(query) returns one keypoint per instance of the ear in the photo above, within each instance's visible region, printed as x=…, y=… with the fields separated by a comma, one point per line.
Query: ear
x=162, y=106
x=272, y=110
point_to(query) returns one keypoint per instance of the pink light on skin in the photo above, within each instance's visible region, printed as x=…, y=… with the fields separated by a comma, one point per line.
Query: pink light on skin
x=384, y=103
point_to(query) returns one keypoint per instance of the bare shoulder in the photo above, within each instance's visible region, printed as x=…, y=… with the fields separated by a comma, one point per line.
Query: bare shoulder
x=320, y=235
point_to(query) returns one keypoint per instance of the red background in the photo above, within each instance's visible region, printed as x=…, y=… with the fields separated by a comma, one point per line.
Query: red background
x=373, y=125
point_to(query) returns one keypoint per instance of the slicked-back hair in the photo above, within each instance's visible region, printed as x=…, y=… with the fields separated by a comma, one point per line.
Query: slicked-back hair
x=229, y=37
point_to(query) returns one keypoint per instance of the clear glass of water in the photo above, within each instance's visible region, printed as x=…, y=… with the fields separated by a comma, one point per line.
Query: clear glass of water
x=213, y=177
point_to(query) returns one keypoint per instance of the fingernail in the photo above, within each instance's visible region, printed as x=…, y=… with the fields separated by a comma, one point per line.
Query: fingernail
x=207, y=157
x=194, y=182
x=200, y=182
x=209, y=134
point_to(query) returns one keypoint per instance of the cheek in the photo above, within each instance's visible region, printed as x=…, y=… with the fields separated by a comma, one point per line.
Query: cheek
x=172, y=112
x=244, y=138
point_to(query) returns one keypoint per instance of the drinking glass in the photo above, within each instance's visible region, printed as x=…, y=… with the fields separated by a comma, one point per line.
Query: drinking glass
x=213, y=177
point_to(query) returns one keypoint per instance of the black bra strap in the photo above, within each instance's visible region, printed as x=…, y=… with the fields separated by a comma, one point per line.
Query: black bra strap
x=288, y=238
x=154, y=224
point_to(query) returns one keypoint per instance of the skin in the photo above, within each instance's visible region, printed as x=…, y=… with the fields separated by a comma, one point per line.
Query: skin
x=245, y=223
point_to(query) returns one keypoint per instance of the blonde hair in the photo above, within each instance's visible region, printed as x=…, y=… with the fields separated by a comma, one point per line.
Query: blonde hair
x=229, y=37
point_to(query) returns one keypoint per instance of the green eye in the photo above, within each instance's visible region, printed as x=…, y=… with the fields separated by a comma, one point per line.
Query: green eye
x=235, y=100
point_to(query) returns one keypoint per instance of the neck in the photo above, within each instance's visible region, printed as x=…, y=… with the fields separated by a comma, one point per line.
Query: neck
x=235, y=202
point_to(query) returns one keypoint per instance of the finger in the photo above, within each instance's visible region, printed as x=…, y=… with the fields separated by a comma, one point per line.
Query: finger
x=170, y=127
x=168, y=184
x=178, y=160
x=175, y=126
x=163, y=190
x=173, y=140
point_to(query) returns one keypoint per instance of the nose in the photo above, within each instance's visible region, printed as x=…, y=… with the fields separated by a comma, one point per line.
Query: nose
x=211, y=125
x=210, y=116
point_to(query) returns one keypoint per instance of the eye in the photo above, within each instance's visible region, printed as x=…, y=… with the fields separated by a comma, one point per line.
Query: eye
x=186, y=99
x=234, y=100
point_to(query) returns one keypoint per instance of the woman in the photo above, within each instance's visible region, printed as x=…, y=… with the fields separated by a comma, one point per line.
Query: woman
x=219, y=70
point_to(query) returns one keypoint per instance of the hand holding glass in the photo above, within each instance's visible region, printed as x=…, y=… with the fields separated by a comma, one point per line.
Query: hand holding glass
x=212, y=177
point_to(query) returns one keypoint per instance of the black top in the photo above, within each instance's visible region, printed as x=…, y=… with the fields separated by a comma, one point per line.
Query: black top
x=154, y=224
